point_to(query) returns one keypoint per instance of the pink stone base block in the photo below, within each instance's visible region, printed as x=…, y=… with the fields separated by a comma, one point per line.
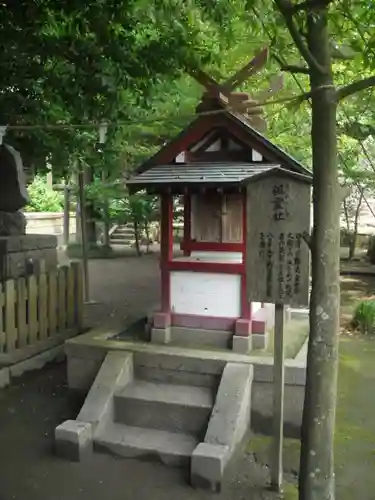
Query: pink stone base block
x=243, y=327
x=162, y=320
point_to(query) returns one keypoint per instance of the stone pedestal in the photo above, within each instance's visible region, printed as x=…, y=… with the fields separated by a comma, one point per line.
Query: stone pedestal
x=23, y=255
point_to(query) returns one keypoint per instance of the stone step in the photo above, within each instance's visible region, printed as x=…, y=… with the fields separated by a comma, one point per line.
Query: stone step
x=172, y=376
x=177, y=408
x=136, y=442
x=124, y=232
x=120, y=241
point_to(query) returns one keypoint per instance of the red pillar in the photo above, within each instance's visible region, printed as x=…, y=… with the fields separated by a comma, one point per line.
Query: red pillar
x=187, y=224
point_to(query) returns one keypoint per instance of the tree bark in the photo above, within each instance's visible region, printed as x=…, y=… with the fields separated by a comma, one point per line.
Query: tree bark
x=137, y=237
x=317, y=478
x=89, y=209
x=106, y=217
x=353, y=239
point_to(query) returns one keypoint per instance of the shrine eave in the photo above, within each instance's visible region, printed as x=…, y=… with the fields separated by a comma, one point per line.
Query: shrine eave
x=182, y=177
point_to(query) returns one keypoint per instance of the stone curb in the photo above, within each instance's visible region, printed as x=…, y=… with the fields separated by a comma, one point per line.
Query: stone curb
x=34, y=363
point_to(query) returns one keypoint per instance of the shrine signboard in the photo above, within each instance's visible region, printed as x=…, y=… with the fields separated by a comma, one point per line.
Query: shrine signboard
x=278, y=217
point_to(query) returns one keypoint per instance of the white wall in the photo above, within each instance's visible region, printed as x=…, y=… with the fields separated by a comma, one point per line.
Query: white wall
x=206, y=294
x=234, y=257
x=255, y=307
x=48, y=223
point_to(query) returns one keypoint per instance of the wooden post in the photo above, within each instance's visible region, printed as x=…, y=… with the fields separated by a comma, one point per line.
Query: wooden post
x=22, y=327
x=82, y=203
x=2, y=329
x=52, y=302
x=278, y=400
x=32, y=308
x=49, y=179
x=106, y=225
x=66, y=213
x=187, y=224
x=10, y=323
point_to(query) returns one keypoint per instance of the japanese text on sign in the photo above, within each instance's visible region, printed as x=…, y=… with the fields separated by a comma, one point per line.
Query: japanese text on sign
x=277, y=260
x=284, y=260
x=280, y=198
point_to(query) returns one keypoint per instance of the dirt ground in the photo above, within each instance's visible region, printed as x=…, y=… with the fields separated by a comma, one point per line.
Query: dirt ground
x=122, y=289
x=31, y=408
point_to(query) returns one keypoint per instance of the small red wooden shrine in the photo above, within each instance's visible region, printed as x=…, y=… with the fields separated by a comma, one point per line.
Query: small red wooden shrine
x=209, y=165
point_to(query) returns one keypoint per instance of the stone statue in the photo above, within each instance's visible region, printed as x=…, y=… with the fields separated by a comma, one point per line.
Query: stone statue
x=13, y=192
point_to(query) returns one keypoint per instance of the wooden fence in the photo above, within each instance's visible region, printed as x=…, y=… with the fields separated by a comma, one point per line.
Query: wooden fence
x=40, y=310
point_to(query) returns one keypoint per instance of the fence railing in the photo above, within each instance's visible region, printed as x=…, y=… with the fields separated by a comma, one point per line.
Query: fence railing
x=38, y=307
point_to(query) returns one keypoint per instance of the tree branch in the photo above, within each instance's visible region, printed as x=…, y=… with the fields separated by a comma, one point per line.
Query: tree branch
x=290, y=68
x=352, y=88
x=309, y=5
x=286, y=9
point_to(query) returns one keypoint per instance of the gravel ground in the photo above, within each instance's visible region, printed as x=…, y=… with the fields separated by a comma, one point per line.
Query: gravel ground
x=31, y=408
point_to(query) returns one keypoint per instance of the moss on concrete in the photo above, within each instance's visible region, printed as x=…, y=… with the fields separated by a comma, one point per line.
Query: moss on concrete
x=355, y=428
x=295, y=335
x=290, y=492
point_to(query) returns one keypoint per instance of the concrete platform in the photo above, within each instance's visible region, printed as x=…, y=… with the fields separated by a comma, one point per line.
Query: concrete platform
x=179, y=405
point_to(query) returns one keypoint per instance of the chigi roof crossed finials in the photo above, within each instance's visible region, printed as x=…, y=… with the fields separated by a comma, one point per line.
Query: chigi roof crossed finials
x=219, y=150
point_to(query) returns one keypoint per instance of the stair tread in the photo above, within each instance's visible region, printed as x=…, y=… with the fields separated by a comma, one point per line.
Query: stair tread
x=146, y=439
x=185, y=395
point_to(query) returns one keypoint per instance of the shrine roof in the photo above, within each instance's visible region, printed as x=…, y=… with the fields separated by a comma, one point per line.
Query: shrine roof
x=180, y=175
x=225, y=119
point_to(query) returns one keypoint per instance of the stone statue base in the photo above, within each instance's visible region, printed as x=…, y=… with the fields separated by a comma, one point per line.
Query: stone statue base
x=12, y=223
x=23, y=255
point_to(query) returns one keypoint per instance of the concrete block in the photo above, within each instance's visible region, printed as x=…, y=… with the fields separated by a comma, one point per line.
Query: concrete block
x=116, y=371
x=86, y=347
x=242, y=344
x=294, y=375
x=174, y=408
x=162, y=320
x=35, y=362
x=181, y=363
x=299, y=313
x=4, y=377
x=302, y=354
x=82, y=372
x=207, y=466
x=258, y=326
x=260, y=340
x=230, y=419
x=172, y=449
x=243, y=327
x=73, y=440
x=197, y=336
x=161, y=335
x=262, y=409
x=177, y=377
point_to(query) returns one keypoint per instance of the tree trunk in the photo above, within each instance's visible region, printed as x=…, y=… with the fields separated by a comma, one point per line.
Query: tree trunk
x=89, y=209
x=147, y=233
x=353, y=239
x=352, y=245
x=106, y=218
x=137, y=237
x=316, y=481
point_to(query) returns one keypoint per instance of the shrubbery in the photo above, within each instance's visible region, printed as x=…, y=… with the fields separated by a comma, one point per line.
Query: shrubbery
x=364, y=317
x=43, y=198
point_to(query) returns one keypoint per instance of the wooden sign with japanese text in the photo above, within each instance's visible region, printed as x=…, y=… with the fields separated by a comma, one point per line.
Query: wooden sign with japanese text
x=277, y=256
